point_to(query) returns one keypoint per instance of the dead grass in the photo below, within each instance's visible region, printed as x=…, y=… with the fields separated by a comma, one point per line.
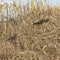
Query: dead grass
x=34, y=37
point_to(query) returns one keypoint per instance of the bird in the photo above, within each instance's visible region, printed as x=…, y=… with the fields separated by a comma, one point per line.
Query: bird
x=12, y=39
x=41, y=22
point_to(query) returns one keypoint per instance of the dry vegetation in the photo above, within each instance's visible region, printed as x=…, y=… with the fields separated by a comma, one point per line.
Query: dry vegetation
x=34, y=36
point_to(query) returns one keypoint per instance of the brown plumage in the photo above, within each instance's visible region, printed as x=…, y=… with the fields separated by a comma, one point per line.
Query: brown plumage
x=41, y=22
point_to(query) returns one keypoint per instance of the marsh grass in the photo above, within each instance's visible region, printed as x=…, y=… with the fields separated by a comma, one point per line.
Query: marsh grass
x=27, y=36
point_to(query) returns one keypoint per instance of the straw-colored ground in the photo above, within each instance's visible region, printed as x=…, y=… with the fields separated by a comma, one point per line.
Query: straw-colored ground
x=31, y=37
